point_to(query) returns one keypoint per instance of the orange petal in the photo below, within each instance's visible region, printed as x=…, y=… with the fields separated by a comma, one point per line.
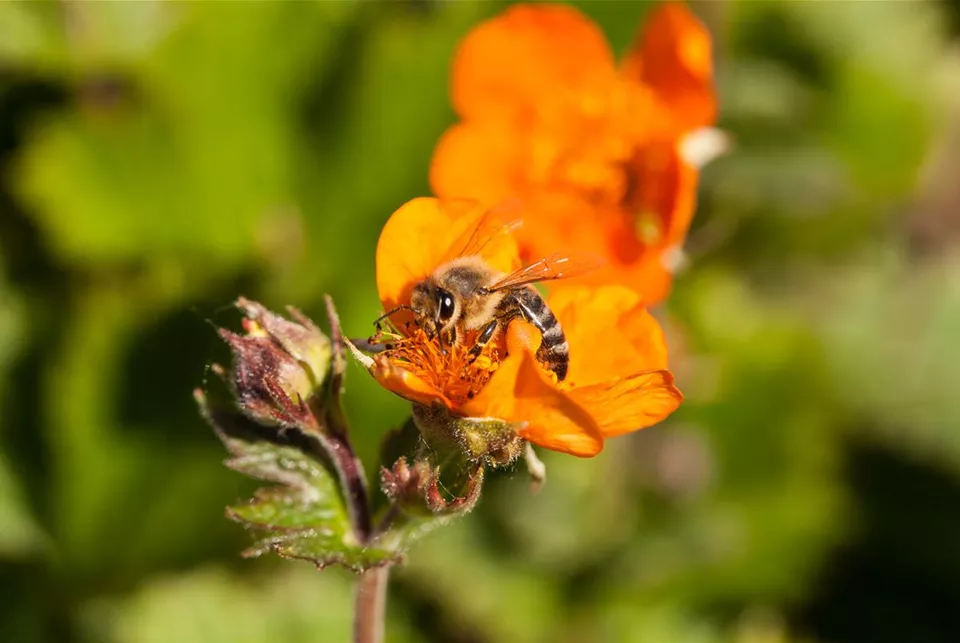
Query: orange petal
x=670, y=190
x=610, y=333
x=630, y=403
x=649, y=277
x=564, y=223
x=507, y=64
x=675, y=203
x=406, y=384
x=474, y=160
x=668, y=197
x=422, y=235
x=522, y=391
x=640, y=244
x=673, y=57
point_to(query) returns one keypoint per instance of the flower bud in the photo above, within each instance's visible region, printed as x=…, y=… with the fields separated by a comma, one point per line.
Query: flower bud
x=300, y=338
x=279, y=366
x=416, y=489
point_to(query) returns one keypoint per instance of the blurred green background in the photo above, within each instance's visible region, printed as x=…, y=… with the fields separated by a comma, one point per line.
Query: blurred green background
x=159, y=159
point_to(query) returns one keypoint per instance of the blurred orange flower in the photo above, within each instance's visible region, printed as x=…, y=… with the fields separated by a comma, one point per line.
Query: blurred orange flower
x=593, y=150
x=617, y=380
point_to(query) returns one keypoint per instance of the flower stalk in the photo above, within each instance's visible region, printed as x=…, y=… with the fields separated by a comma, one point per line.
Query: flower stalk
x=370, y=605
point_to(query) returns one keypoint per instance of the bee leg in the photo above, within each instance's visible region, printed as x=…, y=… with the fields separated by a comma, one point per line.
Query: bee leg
x=446, y=338
x=485, y=336
x=439, y=335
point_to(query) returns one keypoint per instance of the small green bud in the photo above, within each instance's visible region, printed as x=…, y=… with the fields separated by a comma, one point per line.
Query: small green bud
x=491, y=441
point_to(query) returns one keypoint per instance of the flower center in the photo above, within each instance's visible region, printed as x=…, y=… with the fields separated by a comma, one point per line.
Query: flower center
x=452, y=370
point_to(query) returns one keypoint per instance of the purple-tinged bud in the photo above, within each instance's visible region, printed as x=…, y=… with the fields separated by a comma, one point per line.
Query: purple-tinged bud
x=300, y=338
x=416, y=489
x=279, y=367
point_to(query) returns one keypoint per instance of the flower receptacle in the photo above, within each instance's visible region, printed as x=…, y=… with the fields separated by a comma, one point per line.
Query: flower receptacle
x=492, y=441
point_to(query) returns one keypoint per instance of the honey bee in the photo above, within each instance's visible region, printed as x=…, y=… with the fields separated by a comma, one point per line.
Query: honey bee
x=466, y=294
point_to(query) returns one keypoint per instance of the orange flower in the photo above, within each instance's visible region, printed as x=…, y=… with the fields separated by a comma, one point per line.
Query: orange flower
x=594, y=151
x=617, y=380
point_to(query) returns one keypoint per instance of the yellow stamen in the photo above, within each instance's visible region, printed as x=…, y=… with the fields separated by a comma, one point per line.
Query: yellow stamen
x=457, y=374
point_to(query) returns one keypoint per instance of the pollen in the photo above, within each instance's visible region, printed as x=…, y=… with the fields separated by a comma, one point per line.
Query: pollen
x=452, y=370
x=253, y=329
x=486, y=363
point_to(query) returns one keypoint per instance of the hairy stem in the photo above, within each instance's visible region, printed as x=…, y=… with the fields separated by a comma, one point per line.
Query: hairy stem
x=352, y=476
x=349, y=467
x=370, y=605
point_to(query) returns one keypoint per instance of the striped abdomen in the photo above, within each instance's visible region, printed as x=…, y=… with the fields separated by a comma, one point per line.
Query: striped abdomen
x=554, y=353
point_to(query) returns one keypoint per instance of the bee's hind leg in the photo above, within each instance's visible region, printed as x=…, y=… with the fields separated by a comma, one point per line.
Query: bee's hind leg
x=485, y=336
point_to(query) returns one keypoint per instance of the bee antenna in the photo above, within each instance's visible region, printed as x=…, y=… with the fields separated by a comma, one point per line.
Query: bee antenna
x=391, y=312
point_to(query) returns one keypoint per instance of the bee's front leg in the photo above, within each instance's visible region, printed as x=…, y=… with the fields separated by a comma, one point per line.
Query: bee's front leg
x=485, y=336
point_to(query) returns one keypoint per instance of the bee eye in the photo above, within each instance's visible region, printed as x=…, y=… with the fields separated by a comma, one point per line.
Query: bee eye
x=446, y=306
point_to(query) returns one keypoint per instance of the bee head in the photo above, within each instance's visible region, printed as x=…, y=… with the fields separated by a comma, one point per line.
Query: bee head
x=436, y=309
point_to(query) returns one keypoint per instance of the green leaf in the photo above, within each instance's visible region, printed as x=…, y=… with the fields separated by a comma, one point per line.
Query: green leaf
x=139, y=172
x=305, y=517
x=19, y=534
x=25, y=37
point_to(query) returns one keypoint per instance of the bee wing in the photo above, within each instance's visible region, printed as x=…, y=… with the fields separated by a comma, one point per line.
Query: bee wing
x=556, y=266
x=497, y=222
